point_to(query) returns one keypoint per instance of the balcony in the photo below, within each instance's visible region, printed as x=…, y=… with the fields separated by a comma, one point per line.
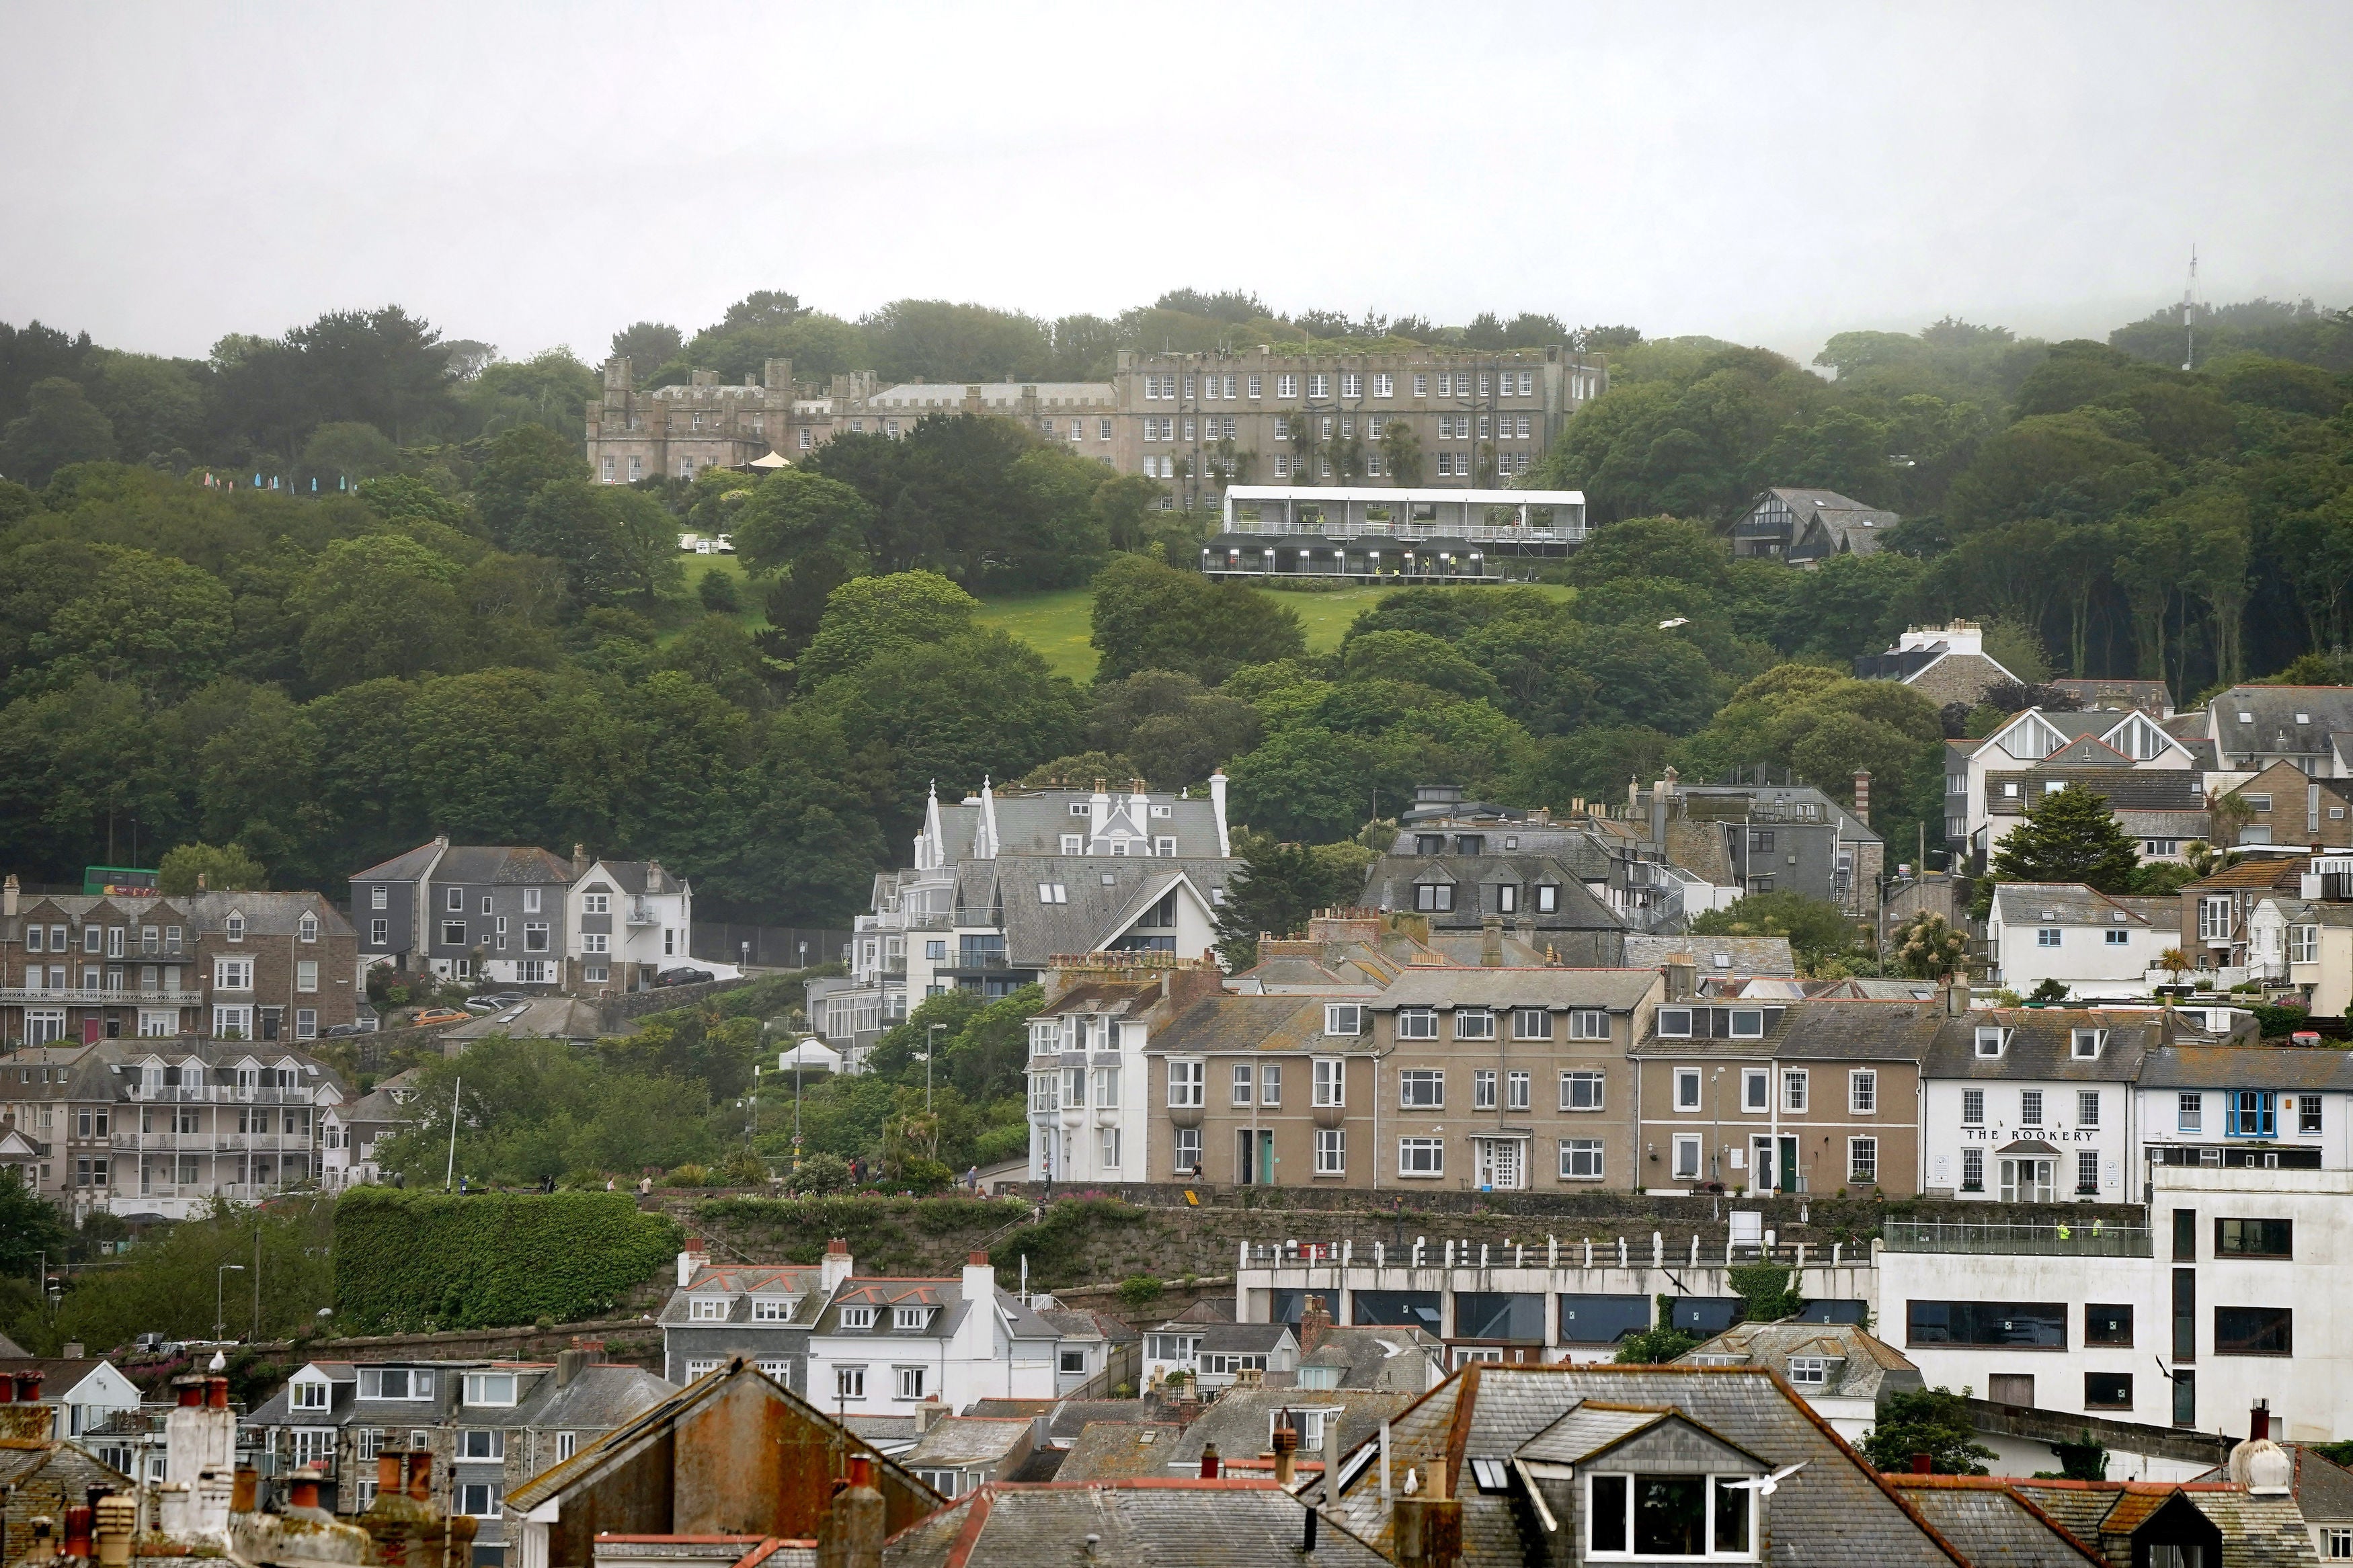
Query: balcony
x=222, y=1093
x=210, y=1142
x=2089, y=1239
x=100, y=996
x=638, y=915
x=971, y=961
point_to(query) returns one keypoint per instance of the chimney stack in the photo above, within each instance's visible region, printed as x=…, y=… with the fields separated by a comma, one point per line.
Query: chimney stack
x=1286, y=1451
x=834, y=1268
x=1956, y=998
x=849, y=1535
x=579, y=860
x=1922, y=1463
x=1314, y=1322
x=695, y=1256
x=10, y=891
x=2259, y=1422
x=1490, y=941
x=1682, y=977
x=1428, y=1524
x=567, y=1366
x=1862, y=796
x=1209, y=1461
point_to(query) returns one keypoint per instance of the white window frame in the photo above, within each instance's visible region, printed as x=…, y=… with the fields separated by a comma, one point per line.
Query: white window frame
x=1343, y=1018
x=1432, y=1080
x=1474, y=1024
x=1687, y=1090
x=1686, y=1151
x=1856, y=1149
x=1584, y=1089
x=1862, y=1091
x=1331, y=1152
x=849, y=1383
x=1188, y=1083
x=1421, y=1157
x=1581, y=1160
x=1331, y=1081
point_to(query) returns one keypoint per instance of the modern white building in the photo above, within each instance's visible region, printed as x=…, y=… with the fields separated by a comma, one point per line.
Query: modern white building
x=2241, y=1290
x=1556, y=1300
x=1390, y=534
x=2100, y=947
x=883, y=1345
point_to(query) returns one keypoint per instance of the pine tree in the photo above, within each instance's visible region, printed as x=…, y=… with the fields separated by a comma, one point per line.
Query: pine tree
x=2069, y=837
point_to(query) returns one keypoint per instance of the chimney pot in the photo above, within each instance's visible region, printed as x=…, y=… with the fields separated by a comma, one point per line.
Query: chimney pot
x=1921, y=1464
x=1209, y=1461
x=216, y=1393
x=1287, y=1454
x=77, y=1522
x=388, y=1473
x=2259, y=1422
x=978, y=1259
x=420, y=1474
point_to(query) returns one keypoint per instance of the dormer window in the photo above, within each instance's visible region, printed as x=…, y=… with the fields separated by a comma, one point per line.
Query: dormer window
x=857, y=1317
x=1674, y=1023
x=307, y=929
x=1079, y=808
x=308, y=1395
x=706, y=1309
x=1074, y=844
x=1988, y=1040
x=1343, y=1018
x=2083, y=1045
x=1809, y=1370
x=233, y=928
x=491, y=1388
x=909, y=1320
x=772, y=1309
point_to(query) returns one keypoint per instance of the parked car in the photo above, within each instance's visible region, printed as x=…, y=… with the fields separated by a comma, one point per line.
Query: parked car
x=684, y=977
x=338, y=1031
x=427, y=1016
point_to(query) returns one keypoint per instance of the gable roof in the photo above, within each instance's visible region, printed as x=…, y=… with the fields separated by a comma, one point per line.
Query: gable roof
x=1109, y=1450
x=1992, y=1524
x=2067, y=904
x=1230, y=1022
x=1555, y=988
x=2038, y=1043
x=1229, y=1522
x=1490, y=1410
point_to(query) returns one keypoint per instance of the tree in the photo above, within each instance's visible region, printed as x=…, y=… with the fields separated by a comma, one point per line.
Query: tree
x=1926, y=947
x=1655, y=1347
x=1818, y=930
x=347, y=450
x=59, y=427
x=30, y=1225
x=1931, y=1421
x=377, y=605
x=647, y=345
x=2069, y=836
x=521, y=461
x=1279, y=885
x=1306, y=783
x=870, y=616
x=143, y=617
x=1151, y=616
x=227, y=869
x=794, y=516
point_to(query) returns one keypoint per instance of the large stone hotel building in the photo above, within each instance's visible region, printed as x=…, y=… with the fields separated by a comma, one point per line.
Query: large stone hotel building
x=1196, y=421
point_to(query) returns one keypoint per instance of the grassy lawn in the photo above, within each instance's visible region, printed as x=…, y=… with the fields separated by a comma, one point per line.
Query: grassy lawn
x=752, y=617
x=1057, y=623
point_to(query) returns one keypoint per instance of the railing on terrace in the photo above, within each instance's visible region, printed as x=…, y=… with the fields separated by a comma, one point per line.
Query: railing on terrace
x=218, y=1093
x=2091, y=1238
x=100, y=996
x=1655, y=1250
x=1411, y=532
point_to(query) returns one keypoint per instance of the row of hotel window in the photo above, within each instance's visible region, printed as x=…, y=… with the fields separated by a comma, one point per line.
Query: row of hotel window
x=1580, y=1159
x=125, y=941
x=47, y=1025
x=1419, y=1088
x=2042, y=1326
x=1450, y=465
x=1451, y=384
x=1450, y=427
x=1504, y=898
x=156, y=1172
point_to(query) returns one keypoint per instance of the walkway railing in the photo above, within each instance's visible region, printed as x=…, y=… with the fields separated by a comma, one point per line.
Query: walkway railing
x=2093, y=1238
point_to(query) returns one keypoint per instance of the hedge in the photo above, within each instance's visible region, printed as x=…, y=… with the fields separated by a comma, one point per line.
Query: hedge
x=409, y=1261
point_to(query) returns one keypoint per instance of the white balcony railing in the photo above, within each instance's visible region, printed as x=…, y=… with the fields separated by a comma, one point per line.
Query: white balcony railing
x=100, y=996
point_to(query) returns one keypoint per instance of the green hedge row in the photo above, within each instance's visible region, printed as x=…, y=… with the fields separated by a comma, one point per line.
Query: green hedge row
x=409, y=1261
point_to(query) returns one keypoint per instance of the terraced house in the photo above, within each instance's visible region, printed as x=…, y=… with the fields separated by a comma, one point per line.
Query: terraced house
x=1795, y=1097
x=465, y=912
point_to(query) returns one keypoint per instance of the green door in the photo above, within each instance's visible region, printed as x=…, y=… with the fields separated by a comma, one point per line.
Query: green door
x=1788, y=1165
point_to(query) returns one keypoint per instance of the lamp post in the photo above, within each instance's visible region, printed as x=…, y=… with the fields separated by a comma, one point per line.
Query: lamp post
x=931, y=1049
x=220, y=1282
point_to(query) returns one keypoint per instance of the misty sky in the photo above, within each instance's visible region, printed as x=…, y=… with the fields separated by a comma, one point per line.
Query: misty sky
x=532, y=175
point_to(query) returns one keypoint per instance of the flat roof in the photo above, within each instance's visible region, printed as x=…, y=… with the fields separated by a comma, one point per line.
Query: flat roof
x=1350, y=493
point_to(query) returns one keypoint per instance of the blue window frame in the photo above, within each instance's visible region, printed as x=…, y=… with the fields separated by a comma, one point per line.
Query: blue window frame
x=2253, y=1113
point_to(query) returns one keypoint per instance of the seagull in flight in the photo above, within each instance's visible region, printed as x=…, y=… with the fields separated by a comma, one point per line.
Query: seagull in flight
x=1766, y=1486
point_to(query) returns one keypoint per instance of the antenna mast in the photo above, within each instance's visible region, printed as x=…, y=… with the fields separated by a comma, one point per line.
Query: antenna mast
x=2188, y=308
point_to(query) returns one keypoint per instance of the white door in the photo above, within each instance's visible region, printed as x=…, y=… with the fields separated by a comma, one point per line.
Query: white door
x=1500, y=1166
x=1761, y=1154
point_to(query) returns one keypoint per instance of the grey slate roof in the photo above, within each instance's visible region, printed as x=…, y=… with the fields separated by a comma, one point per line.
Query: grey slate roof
x=1835, y=1509
x=502, y=865
x=1386, y=1358
x=1217, y=1023
x=1391, y=880
x=1114, y=1450
x=2272, y=710
x=742, y=1281
x=966, y=1440
x=1078, y=1323
x=599, y=1396
x=1994, y=1526
x=2306, y=1067
x=2065, y=904
x=404, y=867
x=1097, y=910
x=1863, y=1366
x=2124, y=788
x=1239, y=1421
x=644, y=877
x=1766, y=956
x=1154, y=1523
x=268, y=914
x=2040, y=1042
x=1554, y=988
x=1033, y=823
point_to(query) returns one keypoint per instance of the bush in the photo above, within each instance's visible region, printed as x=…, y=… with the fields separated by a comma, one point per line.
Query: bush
x=688, y=1175
x=822, y=1173
x=744, y=1169
x=404, y=1260
x=718, y=593
x=1139, y=1291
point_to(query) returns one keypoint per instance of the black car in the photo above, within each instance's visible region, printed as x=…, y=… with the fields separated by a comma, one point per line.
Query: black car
x=684, y=977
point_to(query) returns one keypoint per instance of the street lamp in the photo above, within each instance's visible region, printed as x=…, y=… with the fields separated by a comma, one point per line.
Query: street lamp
x=931, y=1048
x=221, y=1280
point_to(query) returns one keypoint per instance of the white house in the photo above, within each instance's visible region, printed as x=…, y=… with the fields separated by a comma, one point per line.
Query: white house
x=1089, y=1111
x=2099, y=947
x=629, y=920
x=84, y=1393
x=2240, y=1291
x=883, y=1345
x=2036, y=750
x=2265, y=1105
x=2034, y=1104
x=1004, y=881
x=1216, y=1355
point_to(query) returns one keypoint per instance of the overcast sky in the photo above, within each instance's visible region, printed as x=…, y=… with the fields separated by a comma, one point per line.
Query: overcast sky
x=537, y=174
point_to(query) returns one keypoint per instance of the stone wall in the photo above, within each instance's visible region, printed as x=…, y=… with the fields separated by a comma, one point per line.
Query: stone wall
x=634, y=1340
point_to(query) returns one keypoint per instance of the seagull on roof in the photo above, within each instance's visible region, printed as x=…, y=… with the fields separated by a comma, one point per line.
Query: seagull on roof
x=218, y=1361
